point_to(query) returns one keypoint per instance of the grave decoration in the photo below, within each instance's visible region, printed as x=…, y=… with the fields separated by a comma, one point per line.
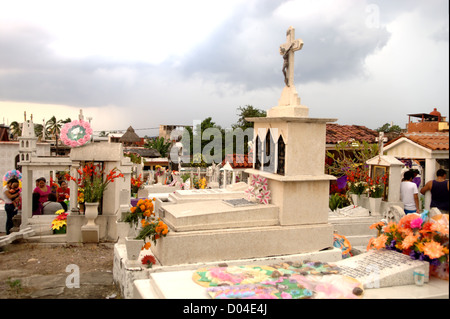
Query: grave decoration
x=136, y=184
x=12, y=174
x=90, y=179
x=281, y=281
x=148, y=260
x=76, y=133
x=258, y=190
x=59, y=224
x=418, y=236
x=152, y=228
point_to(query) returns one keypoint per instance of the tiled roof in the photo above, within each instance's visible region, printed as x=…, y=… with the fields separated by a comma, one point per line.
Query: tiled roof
x=343, y=133
x=238, y=160
x=434, y=141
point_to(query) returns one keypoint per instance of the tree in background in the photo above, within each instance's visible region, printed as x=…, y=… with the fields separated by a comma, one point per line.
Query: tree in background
x=247, y=111
x=159, y=144
x=15, y=129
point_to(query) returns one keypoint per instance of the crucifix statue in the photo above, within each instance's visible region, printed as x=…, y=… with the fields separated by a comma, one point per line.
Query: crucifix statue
x=287, y=51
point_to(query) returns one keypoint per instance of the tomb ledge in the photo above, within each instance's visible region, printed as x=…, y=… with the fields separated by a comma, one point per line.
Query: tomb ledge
x=291, y=178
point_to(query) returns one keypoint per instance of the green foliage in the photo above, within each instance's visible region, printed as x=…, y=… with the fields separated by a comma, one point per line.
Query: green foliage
x=338, y=201
x=247, y=111
x=387, y=128
x=159, y=144
x=348, y=156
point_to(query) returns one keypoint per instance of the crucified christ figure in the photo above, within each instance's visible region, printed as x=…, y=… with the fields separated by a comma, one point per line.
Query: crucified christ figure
x=285, y=54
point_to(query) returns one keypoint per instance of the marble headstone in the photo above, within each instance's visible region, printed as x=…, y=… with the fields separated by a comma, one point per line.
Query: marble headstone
x=383, y=268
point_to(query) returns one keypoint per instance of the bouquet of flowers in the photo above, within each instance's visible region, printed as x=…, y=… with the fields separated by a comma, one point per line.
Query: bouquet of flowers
x=152, y=228
x=355, y=181
x=90, y=178
x=415, y=235
x=136, y=183
x=375, y=186
x=59, y=224
x=159, y=170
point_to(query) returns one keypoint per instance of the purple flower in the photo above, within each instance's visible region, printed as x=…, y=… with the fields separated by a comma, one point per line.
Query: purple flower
x=341, y=182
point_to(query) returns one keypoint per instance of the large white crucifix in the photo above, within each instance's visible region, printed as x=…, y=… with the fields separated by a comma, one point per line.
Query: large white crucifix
x=287, y=51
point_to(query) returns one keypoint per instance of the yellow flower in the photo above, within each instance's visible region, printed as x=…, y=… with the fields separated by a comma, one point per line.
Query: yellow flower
x=59, y=212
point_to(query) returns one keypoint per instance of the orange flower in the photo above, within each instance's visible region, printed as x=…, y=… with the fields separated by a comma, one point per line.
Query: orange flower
x=409, y=241
x=433, y=249
x=144, y=223
x=133, y=209
x=438, y=227
x=146, y=246
x=380, y=242
x=376, y=225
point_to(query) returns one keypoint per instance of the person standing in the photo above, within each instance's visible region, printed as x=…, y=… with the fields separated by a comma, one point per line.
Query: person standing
x=439, y=189
x=10, y=194
x=409, y=194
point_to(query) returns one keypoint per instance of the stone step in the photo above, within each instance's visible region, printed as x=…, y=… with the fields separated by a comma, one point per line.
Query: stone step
x=54, y=238
x=355, y=229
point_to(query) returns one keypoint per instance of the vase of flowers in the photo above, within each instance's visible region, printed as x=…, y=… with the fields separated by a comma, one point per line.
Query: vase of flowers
x=59, y=224
x=160, y=171
x=136, y=184
x=91, y=180
x=418, y=236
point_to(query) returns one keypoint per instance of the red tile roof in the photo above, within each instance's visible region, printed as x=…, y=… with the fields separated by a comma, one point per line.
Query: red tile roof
x=343, y=133
x=434, y=141
x=239, y=160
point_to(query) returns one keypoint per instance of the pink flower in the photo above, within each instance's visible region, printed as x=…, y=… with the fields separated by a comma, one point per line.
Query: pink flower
x=416, y=223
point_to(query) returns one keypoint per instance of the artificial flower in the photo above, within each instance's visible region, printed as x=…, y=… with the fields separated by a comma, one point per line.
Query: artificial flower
x=433, y=249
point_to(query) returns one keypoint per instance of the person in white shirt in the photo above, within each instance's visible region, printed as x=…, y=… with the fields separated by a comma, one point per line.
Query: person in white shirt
x=10, y=194
x=409, y=194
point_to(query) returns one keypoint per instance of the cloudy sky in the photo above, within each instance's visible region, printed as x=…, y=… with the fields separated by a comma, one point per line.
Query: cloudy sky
x=145, y=63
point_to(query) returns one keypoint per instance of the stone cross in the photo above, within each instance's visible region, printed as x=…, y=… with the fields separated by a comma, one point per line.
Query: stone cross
x=381, y=140
x=287, y=51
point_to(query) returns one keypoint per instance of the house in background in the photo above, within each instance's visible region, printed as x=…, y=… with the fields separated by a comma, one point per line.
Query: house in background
x=426, y=143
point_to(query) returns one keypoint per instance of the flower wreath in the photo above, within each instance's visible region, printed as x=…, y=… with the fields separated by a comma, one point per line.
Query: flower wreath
x=13, y=174
x=76, y=133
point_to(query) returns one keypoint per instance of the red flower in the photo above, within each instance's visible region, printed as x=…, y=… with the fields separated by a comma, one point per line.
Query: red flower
x=148, y=260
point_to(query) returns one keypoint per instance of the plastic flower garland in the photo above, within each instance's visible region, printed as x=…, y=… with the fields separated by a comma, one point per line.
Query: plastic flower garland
x=76, y=133
x=415, y=235
x=258, y=190
x=13, y=174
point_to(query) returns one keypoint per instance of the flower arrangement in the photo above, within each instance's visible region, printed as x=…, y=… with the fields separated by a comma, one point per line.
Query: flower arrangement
x=91, y=180
x=159, y=170
x=200, y=183
x=355, y=180
x=76, y=133
x=59, y=224
x=258, y=190
x=152, y=228
x=375, y=186
x=415, y=235
x=136, y=183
